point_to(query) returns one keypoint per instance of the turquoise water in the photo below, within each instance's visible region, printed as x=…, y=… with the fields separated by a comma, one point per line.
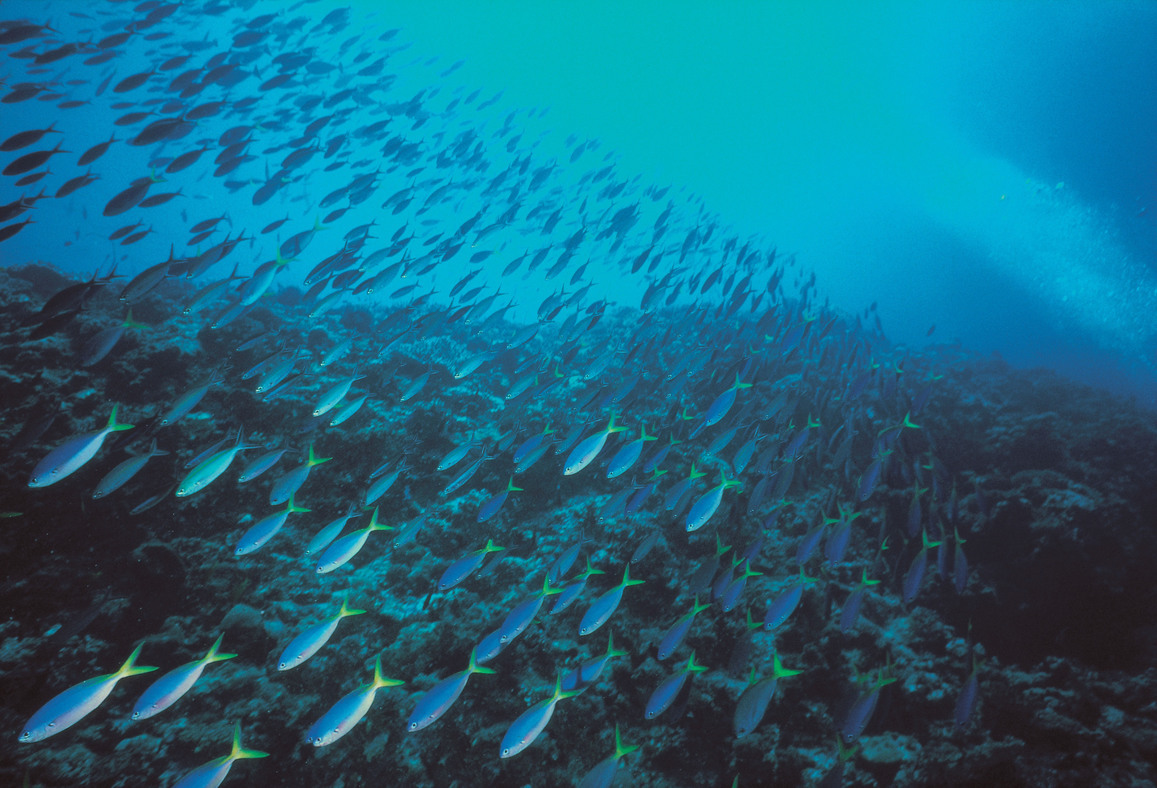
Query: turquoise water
x=713, y=297
x=906, y=151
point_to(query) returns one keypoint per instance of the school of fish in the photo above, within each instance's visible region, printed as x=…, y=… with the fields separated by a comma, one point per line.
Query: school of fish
x=363, y=428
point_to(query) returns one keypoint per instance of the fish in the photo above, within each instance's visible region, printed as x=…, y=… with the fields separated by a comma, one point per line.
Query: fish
x=73, y=184
x=100, y=344
x=329, y=532
x=466, y=566
x=380, y=484
x=209, y=469
x=604, y=773
x=850, y=612
x=131, y=196
x=439, y=698
x=605, y=606
x=78, y=701
x=124, y=472
x=23, y=139
x=754, y=699
x=914, y=577
x=589, y=671
x=342, y=551
x=288, y=484
x=966, y=700
x=531, y=723
x=571, y=591
x=169, y=688
x=521, y=616
x=30, y=161
x=95, y=152
x=628, y=455
x=708, y=503
x=347, y=410
x=185, y=403
x=664, y=695
x=349, y=711
x=72, y=455
x=674, y=636
x=859, y=714
x=588, y=449
x=494, y=504
x=330, y=399
x=785, y=604
x=720, y=406
x=311, y=640
x=10, y=230
x=213, y=773
x=265, y=529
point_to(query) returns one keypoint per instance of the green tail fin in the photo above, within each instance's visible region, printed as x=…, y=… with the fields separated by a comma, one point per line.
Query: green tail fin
x=346, y=610
x=240, y=752
x=129, y=669
x=112, y=425
x=216, y=656
x=474, y=667
x=623, y=749
x=381, y=681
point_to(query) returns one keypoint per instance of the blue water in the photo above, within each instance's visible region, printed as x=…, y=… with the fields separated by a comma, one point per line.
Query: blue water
x=849, y=139
x=854, y=137
x=889, y=232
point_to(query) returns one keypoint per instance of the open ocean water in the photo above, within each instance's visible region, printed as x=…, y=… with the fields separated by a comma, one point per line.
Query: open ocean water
x=601, y=394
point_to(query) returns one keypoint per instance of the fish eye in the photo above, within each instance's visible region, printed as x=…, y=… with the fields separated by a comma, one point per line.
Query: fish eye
x=413, y=726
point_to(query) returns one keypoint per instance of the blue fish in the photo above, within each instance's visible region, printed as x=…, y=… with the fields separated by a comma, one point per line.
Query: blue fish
x=628, y=455
x=785, y=604
x=752, y=704
x=855, y=602
x=466, y=566
x=914, y=577
x=76, y=702
x=966, y=700
x=215, y=771
x=668, y=690
x=588, y=449
x=588, y=672
x=311, y=640
x=861, y=711
x=524, y=730
x=348, y=712
x=604, y=773
x=571, y=591
x=493, y=505
x=169, y=688
x=606, y=605
x=722, y=404
x=70, y=456
x=675, y=634
x=438, y=700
